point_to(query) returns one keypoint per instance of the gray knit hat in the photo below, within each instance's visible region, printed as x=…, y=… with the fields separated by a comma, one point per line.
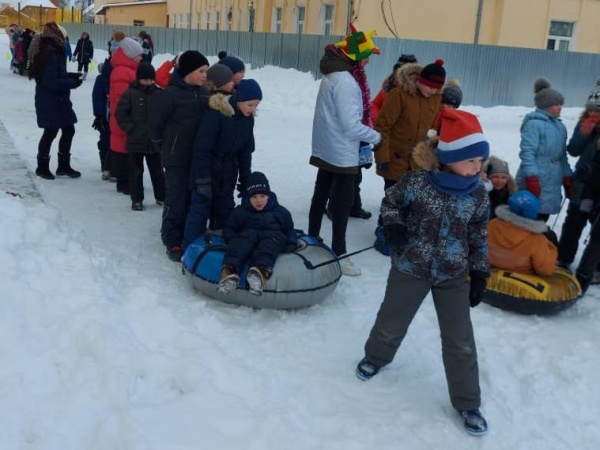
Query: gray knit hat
x=219, y=74
x=452, y=94
x=545, y=96
x=497, y=166
x=130, y=47
x=593, y=100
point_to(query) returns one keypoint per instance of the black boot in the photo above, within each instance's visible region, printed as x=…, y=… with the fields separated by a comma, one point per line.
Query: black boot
x=43, y=168
x=584, y=281
x=64, y=166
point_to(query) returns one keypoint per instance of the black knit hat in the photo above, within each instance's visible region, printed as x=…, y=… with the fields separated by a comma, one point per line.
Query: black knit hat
x=404, y=59
x=433, y=75
x=258, y=184
x=190, y=61
x=145, y=71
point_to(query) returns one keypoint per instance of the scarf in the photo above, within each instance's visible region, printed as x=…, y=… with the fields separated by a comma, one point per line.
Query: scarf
x=453, y=184
x=358, y=72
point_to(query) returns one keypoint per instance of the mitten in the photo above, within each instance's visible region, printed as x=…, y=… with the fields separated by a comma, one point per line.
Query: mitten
x=478, y=283
x=533, y=185
x=395, y=235
x=99, y=123
x=74, y=75
x=78, y=83
x=568, y=186
x=588, y=124
x=586, y=205
x=204, y=188
x=383, y=167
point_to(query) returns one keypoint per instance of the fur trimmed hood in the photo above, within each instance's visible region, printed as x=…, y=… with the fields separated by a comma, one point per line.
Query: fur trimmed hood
x=220, y=102
x=406, y=77
x=424, y=155
x=535, y=226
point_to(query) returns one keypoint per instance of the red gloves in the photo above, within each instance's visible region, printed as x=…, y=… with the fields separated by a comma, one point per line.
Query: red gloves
x=588, y=124
x=533, y=185
x=569, y=189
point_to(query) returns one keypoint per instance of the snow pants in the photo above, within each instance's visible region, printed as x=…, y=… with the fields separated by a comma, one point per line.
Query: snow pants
x=177, y=202
x=590, y=260
x=136, y=176
x=403, y=297
x=258, y=248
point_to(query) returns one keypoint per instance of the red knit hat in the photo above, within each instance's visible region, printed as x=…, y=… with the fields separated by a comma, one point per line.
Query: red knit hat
x=461, y=137
x=433, y=75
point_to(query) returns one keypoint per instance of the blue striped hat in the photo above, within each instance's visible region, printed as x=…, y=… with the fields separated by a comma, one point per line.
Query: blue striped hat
x=461, y=137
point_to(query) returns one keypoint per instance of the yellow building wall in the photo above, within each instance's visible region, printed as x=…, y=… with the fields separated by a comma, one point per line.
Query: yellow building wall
x=154, y=15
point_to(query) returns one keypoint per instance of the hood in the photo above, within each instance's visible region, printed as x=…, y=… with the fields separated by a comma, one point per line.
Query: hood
x=406, y=77
x=119, y=58
x=221, y=103
x=334, y=60
x=539, y=114
x=535, y=226
x=424, y=155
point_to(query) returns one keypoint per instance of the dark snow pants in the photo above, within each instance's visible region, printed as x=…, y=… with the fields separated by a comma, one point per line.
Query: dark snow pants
x=339, y=189
x=572, y=228
x=104, y=148
x=590, y=260
x=64, y=143
x=136, y=176
x=403, y=297
x=177, y=202
x=258, y=248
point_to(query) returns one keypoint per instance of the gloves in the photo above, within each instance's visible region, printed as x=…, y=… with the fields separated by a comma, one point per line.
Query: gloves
x=395, y=235
x=74, y=75
x=532, y=184
x=568, y=186
x=586, y=205
x=99, y=123
x=204, y=188
x=551, y=236
x=588, y=124
x=241, y=189
x=478, y=283
x=383, y=167
x=78, y=83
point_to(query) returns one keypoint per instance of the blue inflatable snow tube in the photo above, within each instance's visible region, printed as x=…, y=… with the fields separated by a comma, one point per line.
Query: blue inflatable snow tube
x=300, y=279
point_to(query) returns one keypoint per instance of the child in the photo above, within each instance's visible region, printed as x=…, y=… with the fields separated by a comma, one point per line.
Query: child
x=584, y=143
x=221, y=77
x=256, y=232
x=100, y=94
x=133, y=113
x=499, y=182
x=237, y=66
x=544, y=166
x=390, y=82
x=435, y=222
x=222, y=155
x=519, y=242
x=174, y=123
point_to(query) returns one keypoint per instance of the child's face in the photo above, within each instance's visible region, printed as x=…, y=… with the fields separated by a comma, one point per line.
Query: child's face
x=238, y=76
x=197, y=77
x=227, y=87
x=426, y=91
x=499, y=180
x=259, y=201
x=146, y=82
x=555, y=110
x=466, y=168
x=248, y=108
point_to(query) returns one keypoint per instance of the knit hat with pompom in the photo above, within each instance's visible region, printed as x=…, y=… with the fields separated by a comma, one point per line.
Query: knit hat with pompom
x=546, y=97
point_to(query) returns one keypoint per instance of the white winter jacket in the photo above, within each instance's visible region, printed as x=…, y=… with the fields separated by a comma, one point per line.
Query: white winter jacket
x=337, y=124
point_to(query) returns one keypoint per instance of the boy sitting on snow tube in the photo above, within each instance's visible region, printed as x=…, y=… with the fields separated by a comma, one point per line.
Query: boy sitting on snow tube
x=257, y=230
x=517, y=241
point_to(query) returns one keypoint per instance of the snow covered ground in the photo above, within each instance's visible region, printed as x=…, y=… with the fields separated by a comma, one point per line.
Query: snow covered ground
x=104, y=345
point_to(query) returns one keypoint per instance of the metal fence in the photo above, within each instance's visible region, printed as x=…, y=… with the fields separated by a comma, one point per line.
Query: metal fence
x=489, y=75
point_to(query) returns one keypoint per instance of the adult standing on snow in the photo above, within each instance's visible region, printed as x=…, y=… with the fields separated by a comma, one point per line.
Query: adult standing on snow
x=53, y=107
x=84, y=52
x=337, y=133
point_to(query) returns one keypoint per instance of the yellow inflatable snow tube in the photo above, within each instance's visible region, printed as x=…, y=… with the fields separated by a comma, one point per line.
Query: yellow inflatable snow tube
x=530, y=293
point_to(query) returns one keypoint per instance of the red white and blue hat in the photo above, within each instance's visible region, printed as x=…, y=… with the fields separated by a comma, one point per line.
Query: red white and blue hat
x=461, y=137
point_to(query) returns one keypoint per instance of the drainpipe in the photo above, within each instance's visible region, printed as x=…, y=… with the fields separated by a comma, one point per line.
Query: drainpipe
x=349, y=19
x=478, y=21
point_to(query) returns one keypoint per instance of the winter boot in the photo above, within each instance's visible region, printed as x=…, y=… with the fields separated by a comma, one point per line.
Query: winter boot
x=230, y=280
x=64, y=166
x=365, y=370
x=137, y=206
x=175, y=253
x=474, y=422
x=84, y=76
x=584, y=281
x=256, y=279
x=43, y=168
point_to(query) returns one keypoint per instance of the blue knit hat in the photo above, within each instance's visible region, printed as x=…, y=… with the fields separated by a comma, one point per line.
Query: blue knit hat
x=525, y=204
x=461, y=137
x=235, y=64
x=247, y=90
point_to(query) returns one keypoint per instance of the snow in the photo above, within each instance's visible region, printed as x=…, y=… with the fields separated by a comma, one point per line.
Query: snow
x=104, y=344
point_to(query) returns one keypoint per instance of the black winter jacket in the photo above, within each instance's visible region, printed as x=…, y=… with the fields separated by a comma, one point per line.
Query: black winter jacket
x=84, y=50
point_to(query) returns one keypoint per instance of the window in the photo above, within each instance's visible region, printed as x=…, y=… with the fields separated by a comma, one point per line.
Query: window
x=327, y=19
x=560, y=36
x=217, y=20
x=300, y=17
x=198, y=20
x=207, y=20
x=229, y=18
x=277, y=14
x=139, y=23
x=251, y=19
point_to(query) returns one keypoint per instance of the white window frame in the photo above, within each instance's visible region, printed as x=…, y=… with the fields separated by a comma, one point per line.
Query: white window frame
x=207, y=20
x=327, y=24
x=560, y=42
x=198, y=19
x=277, y=23
x=300, y=21
x=217, y=16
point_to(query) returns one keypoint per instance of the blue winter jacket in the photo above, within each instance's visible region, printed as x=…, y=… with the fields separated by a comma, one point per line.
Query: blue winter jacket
x=101, y=90
x=544, y=155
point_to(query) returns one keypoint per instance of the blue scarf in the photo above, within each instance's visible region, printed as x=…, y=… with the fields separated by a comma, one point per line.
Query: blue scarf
x=453, y=184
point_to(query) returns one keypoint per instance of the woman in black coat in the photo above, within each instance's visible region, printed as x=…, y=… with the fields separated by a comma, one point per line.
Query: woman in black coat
x=53, y=106
x=84, y=52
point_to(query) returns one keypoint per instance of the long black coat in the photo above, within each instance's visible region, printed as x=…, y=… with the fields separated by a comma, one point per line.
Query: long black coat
x=133, y=114
x=84, y=50
x=175, y=118
x=53, y=86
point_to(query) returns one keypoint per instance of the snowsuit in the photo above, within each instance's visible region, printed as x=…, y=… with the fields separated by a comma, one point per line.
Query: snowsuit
x=133, y=112
x=174, y=120
x=446, y=237
x=518, y=244
x=257, y=237
x=100, y=105
x=222, y=155
x=544, y=155
x=84, y=52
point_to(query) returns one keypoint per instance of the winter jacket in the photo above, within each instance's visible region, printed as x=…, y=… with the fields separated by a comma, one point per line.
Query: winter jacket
x=53, y=86
x=84, y=50
x=544, y=155
x=223, y=147
x=19, y=49
x=133, y=112
x=446, y=234
x=175, y=119
x=337, y=124
x=585, y=147
x=101, y=90
x=404, y=120
x=377, y=104
x=122, y=75
x=68, y=50
x=274, y=219
x=163, y=74
x=516, y=243
x=148, y=54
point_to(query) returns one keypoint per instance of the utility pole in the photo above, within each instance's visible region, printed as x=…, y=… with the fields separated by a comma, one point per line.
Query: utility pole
x=478, y=21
